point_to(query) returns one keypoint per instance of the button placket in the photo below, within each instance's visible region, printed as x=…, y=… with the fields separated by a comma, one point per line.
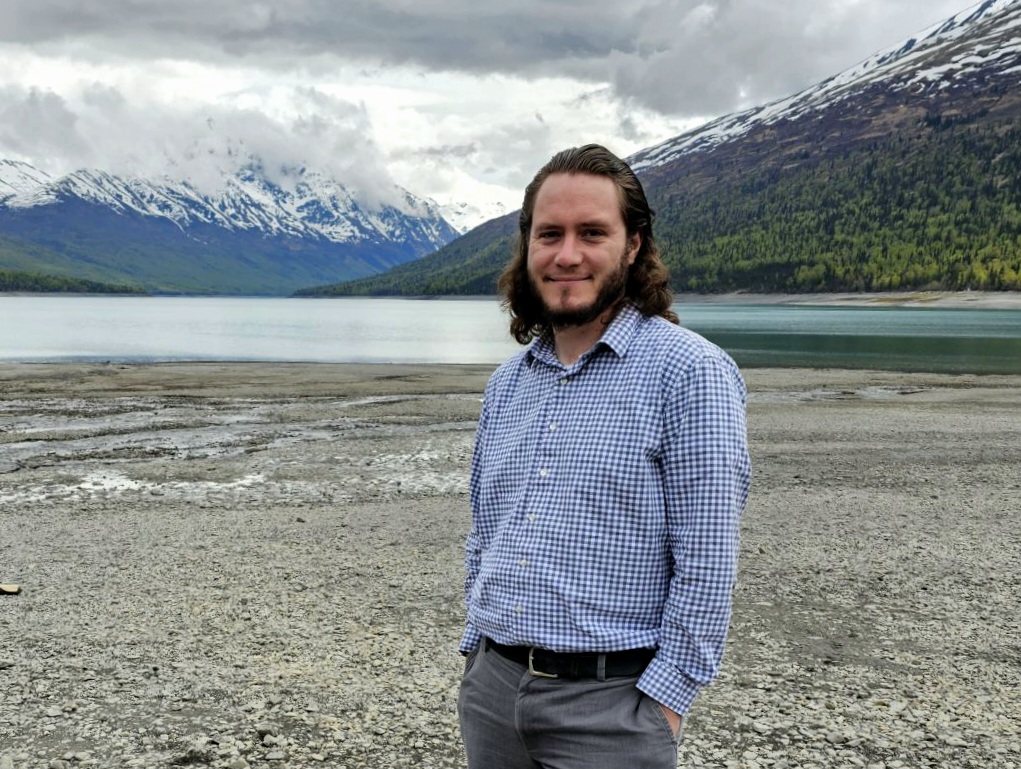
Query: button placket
x=552, y=425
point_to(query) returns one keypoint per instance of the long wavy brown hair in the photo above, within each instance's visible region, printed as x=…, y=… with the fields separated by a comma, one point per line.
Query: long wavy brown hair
x=648, y=281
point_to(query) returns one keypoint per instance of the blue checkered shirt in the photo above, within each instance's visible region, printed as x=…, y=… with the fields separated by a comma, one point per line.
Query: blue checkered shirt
x=605, y=500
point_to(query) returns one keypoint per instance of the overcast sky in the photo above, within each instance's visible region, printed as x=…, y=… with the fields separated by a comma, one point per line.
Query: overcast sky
x=458, y=100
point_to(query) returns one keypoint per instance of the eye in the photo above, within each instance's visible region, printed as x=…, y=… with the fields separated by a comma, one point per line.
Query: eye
x=547, y=234
x=592, y=233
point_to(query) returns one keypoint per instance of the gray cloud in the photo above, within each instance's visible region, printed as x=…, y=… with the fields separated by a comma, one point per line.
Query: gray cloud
x=103, y=129
x=680, y=57
x=447, y=152
x=509, y=156
x=37, y=124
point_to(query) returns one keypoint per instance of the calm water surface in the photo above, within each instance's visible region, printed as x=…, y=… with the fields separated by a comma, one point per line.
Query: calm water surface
x=91, y=328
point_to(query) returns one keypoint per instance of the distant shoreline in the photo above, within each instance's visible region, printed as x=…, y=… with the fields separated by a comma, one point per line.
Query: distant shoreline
x=982, y=300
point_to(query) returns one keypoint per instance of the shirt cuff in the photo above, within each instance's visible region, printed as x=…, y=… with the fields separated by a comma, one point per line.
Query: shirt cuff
x=668, y=686
x=469, y=640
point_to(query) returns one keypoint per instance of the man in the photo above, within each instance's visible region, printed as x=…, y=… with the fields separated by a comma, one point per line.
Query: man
x=609, y=474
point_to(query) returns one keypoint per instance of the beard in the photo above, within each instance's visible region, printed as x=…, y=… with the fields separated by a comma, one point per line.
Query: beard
x=610, y=293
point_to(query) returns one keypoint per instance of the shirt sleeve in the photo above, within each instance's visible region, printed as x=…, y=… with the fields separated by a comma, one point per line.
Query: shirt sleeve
x=706, y=474
x=473, y=545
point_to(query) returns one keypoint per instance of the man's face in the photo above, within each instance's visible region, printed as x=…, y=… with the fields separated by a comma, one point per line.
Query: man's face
x=578, y=248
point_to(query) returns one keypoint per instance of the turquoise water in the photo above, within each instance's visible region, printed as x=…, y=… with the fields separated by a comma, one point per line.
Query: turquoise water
x=884, y=338
x=92, y=328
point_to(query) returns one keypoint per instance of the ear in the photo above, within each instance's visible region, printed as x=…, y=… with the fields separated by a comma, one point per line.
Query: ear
x=634, y=243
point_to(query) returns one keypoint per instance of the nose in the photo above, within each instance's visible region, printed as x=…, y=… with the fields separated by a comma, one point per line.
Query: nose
x=569, y=253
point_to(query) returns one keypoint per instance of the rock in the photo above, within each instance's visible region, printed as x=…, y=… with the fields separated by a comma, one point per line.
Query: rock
x=264, y=728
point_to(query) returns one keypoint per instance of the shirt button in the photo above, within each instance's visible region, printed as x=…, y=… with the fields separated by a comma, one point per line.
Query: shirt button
x=563, y=381
x=519, y=609
x=523, y=563
x=553, y=426
x=543, y=472
x=532, y=516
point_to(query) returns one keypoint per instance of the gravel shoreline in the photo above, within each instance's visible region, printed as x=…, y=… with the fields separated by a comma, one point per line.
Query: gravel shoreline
x=259, y=565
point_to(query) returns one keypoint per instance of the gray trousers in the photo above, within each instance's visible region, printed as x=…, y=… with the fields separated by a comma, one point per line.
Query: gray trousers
x=513, y=720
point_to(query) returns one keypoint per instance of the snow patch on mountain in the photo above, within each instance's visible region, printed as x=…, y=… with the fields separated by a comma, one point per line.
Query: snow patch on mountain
x=465, y=216
x=19, y=179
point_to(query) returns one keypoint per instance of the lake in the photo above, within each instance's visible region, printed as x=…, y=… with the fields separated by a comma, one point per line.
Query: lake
x=127, y=329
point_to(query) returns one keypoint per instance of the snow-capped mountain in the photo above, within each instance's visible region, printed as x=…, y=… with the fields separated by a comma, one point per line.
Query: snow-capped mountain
x=312, y=214
x=315, y=207
x=937, y=66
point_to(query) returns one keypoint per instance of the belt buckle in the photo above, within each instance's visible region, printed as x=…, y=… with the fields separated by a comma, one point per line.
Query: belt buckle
x=533, y=671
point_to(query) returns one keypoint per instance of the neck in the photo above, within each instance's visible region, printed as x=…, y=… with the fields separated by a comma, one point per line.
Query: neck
x=571, y=342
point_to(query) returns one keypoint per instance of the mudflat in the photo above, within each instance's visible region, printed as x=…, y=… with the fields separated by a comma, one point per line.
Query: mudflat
x=260, y=565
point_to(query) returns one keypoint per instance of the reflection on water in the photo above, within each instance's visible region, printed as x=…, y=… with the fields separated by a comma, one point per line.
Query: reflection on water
x=40, y=328
x=888, y=353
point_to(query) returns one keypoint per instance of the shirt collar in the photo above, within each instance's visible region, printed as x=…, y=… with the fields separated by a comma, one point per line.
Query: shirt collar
x=617, y=337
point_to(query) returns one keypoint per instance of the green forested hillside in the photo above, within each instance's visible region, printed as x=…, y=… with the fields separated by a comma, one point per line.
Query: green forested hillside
x=937, y=210
x=467, y=266
x=30, y=282
x=934, y=207
x=59, y=279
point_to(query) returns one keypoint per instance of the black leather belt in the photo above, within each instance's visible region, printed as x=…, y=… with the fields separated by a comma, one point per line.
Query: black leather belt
x=547, y=664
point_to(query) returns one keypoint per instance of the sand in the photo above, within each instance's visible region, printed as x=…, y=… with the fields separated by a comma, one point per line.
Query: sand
x=239, y=565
